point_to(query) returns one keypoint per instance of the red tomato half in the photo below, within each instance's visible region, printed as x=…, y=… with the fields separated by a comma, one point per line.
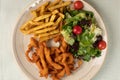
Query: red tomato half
x=77, y=30
x=78, y=5
x=102, y=45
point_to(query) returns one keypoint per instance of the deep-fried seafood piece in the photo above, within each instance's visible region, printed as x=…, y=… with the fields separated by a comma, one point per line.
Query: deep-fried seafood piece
x=54, y=77
x=27, y=54
x=35, y=57
x=67, y=69
x=66, y=62
x=49, y=59
x=33, y=44
x=61, y=73
x=38, y=63
x=40, y=52
x=52, y=70
x=63, y=46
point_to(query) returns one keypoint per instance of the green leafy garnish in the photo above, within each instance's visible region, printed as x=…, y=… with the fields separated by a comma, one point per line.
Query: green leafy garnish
x=85, y=40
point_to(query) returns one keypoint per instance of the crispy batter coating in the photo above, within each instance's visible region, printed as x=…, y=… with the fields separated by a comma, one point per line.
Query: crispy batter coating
x=57, y=61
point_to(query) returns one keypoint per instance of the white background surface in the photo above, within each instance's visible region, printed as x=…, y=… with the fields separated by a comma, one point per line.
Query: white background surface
x=11, y=9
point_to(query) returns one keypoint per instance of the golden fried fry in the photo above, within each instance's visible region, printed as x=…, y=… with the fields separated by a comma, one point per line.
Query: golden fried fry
x=24, y=25
x=35, y=23
x=42, y=17
x=43, y=5
x=48, y=37
x=52, y=18
x=58, y=21
x=59, y=5
x=43, y=8
x=55, y=12
x=47, y=20
x=49, y=33
x=61, y=9
x=54, y=3
x=61, y=15
x=34, y=13
x=30, y=24
x=39, y=27
x=45, y=30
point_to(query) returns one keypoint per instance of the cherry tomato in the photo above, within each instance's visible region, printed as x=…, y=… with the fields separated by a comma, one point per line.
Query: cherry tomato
x=101, y=45
x=77, y=30
x=78, y=5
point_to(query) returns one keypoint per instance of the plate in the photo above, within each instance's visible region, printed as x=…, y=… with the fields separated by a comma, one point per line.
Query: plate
x=20, y=42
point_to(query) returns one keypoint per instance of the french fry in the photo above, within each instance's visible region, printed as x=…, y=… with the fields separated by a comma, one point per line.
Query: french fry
x=60, y=26
x=35, y=23
x=45, y=30
x=32, y=25
x=24, y=25
x=61, y=9
x=47, y=20
x=28, y=27
x=55, y=12
x=48, y=34
x=42, y=10
x=60, y=5
x=52, y=18
x=42, y=17
x=45, y=5
x=61, y=15
x=39, y=27
x=58, y=21
x=54, y=3
x=29, y=24
x=34, y=13
x=48, y=37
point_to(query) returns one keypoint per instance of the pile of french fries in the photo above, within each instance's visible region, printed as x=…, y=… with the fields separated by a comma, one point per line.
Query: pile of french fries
x=47, y=20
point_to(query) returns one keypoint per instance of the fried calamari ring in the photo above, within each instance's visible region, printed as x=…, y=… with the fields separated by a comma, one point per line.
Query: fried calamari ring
x=66, y=62
x=40, y=52
x=35, y=57
x=61, y=73
x=63, y=46
x=49, y=59
x=33, y=44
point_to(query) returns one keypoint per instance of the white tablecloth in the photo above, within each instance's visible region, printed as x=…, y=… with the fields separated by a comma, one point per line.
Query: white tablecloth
x=11, y=9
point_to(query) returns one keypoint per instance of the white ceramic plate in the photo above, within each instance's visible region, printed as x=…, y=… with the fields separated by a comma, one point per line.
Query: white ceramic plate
x=20, y=42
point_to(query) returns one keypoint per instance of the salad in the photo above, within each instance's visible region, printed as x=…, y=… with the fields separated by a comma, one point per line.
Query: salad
x=82, y=33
